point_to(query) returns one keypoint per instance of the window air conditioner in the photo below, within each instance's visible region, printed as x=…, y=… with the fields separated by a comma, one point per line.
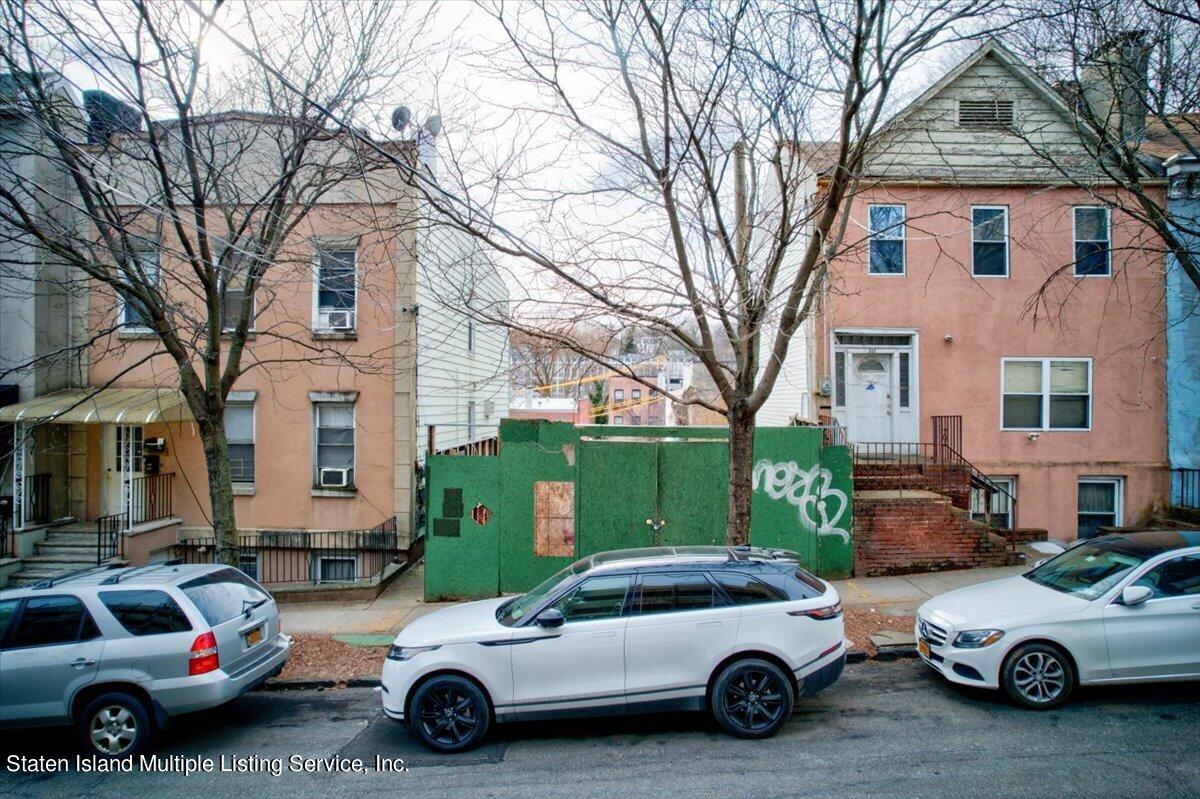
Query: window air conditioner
x=336, y=320
x=336, y=478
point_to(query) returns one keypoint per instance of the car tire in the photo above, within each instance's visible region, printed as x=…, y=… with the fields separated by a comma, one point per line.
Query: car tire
x=1038, y=676
x=449, y=714
x=752, y=698
x=115, y=725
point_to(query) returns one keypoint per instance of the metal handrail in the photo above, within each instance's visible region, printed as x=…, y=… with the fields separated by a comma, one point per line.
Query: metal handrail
x=920, y=454
x=110, y=539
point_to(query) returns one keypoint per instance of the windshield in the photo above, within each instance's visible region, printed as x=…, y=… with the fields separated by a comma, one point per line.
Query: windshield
x=516, y=609
x=1088, y=570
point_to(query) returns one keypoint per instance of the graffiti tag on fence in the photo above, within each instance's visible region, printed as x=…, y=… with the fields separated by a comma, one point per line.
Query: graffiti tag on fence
x=810, y=491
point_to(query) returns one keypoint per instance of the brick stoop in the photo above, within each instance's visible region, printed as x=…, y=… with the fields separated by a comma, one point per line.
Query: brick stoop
x=906, y=531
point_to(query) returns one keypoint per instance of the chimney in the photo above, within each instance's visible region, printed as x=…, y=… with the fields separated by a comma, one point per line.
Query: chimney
x=1114, y=83
x=108, y=115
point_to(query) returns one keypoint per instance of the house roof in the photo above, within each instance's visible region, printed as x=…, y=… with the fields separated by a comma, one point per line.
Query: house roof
x=1171, y=134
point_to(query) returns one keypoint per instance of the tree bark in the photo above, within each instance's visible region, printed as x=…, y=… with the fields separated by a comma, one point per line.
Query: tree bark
x=741, y=471
x=220, y=489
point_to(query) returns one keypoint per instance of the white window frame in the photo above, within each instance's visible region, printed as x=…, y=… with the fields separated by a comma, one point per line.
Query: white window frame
x=902, y=238
x=319, y=561
x=1075, y=240
x=1009, y=483
x=1046, y=394
x=316, y=464
x=1007, y=240
x=122, y=303
x=618, y=419
x=618, y=395
x=253, y=434
x=317, y=308
x=635, y=394
x=1118, y=495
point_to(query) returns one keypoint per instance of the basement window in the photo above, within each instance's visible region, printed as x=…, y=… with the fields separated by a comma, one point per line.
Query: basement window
x=985, y=114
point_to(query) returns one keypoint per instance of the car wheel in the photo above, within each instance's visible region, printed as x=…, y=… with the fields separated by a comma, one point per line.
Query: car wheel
x=115, y=725
x=1038, y=676
x=752, y=698
x=449, y=714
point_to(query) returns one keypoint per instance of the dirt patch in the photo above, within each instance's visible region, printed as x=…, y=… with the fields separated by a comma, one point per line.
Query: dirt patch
x=862, y=624
x=320, y=657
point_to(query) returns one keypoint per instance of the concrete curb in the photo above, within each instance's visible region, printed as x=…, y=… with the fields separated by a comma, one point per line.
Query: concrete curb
x=298, y=685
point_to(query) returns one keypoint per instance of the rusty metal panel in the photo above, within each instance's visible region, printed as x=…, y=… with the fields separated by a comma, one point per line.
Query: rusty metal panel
x=553, y=518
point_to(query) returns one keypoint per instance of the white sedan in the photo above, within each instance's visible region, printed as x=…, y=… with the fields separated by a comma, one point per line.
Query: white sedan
x=741, y=632
x=1116, y=609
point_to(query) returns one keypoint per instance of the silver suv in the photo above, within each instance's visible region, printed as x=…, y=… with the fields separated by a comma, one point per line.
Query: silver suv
x=117, y=652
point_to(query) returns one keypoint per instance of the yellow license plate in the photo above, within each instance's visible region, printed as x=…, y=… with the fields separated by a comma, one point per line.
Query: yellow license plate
x=923, y=647
x=254, y=636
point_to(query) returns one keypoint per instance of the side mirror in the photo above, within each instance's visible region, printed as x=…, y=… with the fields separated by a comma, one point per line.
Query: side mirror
x=549, y=618
x=1135, y=595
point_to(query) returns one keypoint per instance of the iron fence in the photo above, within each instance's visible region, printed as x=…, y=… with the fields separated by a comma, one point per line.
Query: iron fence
x=304, y=556
x=947, y=432
x=110, y=536
x=37, y=499
x=151, y=497
x=1185, y=488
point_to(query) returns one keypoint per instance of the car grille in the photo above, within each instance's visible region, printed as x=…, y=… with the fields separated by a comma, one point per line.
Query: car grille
x=932, y=633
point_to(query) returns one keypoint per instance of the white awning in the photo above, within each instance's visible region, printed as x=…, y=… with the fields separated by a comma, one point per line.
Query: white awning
x=102, y=405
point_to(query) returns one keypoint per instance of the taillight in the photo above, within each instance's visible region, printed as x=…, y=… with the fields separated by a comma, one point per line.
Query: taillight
x=820, y=614
x=203, y=657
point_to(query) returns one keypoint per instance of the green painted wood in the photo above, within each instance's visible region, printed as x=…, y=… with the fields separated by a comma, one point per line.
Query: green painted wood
x=692, y=497
x=617, y=493
x=463, y=563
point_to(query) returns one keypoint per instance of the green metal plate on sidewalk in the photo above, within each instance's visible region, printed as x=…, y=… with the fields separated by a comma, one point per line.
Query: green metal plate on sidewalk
x=366, y=640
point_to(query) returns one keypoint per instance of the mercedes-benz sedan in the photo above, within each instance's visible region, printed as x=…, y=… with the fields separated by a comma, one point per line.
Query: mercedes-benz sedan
x=1116, y=609
x=740, y=632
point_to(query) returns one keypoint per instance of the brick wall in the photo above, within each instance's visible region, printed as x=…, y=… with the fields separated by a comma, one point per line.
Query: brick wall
x=914, y=531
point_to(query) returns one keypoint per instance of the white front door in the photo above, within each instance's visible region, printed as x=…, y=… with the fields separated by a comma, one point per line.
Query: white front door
x=869, y=400
x=580, y=664
x=122, y=452
x=1161, y=636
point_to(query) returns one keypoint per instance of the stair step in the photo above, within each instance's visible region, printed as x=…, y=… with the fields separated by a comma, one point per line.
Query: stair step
x=70, y=538
x=81, y=556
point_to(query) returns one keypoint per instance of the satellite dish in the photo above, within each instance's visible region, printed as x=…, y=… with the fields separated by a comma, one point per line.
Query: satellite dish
x=433, y=125
x=401, y=117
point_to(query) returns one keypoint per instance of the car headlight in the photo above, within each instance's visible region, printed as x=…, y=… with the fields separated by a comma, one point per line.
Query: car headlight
x=408, y=652
x=977, y=639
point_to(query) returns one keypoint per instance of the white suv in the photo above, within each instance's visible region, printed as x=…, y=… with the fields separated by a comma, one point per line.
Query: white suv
x=741, y=632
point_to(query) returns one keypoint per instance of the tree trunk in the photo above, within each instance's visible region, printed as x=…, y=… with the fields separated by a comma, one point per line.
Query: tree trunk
x=220, y=490
x=741, y=471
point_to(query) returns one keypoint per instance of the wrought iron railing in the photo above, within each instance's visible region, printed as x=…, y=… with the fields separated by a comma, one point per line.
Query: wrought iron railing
x=37, y=499
x=1185, y=488
x=303, y=556
x=110, y=536
x=947, y=432
x=936, y=465
x=151, y=497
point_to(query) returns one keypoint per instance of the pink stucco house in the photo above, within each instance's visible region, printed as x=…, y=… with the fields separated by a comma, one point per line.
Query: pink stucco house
x=975, y=282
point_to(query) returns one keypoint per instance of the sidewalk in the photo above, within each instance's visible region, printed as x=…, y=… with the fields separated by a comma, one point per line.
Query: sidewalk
x=401, y=602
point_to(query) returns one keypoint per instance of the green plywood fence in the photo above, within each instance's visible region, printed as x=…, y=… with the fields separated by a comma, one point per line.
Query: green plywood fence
x=633, y=487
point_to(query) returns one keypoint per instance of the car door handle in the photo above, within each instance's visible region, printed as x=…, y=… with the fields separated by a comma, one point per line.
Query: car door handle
x=608, y=634
x=83, y=663
x=1196, y=606
x=709, y=623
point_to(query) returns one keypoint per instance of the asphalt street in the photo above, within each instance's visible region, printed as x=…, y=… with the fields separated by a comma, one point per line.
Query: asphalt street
x=885, y=729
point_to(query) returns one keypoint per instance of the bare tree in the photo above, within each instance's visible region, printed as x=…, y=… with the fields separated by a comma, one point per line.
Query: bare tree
x=689, y=205
x=185, y=219
x=1127, y=72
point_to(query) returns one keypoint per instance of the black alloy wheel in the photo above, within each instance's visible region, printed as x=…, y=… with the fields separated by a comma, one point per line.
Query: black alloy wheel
x=450, y=714
x=752, y=698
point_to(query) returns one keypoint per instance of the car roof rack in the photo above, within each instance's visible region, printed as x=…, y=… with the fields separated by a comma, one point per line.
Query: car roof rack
x=62, y=578
x=116, y=578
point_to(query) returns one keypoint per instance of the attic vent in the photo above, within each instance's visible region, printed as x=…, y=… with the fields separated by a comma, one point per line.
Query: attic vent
x=985, y=113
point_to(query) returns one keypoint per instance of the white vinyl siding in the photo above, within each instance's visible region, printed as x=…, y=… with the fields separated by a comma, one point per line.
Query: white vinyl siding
x=461, y=361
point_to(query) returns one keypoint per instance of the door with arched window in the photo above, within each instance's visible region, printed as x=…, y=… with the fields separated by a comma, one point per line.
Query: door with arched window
x=870, y=397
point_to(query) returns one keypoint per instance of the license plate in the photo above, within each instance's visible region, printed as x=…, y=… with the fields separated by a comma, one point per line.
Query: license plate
x=254, y=636
x=923, y=647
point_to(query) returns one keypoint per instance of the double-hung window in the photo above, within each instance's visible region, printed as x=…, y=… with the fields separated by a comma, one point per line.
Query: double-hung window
x=989, y=241
x=239, y=432
x=337, y=289
x=1093, y=241
x=132, y=316
x=885, y=230
x=334, y=436
x=234, y=274
x=1099, y=504
x=618, y=394
x=1046, y=394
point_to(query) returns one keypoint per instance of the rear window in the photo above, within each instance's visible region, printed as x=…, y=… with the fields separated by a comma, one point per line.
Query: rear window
x=223, y=595
x=799, y=584
x=146, y=612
